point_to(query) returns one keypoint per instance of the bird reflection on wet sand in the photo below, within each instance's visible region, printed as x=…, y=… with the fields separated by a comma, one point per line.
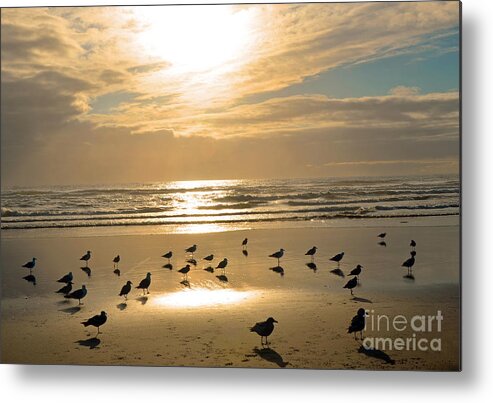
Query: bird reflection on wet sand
x=122, y=306
x=168, y=266
x=277, y=269
x=222, y=278
x=311, y=266
x=271, y=355
x=30, y=279
x=338, y=272
x=143, y=300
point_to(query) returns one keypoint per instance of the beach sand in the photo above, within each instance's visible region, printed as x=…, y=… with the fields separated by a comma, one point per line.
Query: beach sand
x=207, y=324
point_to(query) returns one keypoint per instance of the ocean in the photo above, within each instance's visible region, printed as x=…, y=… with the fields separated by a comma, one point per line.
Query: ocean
x=229, y=202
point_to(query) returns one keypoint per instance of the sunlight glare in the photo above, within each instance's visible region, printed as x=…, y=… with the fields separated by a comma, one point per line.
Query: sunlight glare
x=203, y=297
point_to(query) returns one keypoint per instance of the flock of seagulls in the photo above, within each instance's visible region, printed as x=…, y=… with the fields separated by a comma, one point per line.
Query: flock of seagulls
x=263, y=329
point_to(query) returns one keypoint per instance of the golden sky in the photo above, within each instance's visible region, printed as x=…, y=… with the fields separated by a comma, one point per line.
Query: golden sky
x=131, y=94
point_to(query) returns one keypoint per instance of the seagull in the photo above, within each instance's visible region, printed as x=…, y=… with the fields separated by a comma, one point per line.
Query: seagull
x=357, y=323
x=278, y=255
x=409, y=263
x=264, y=329
x=168, y=256
x=356, y=271
x=65, y=289
x=144, y=284
x=351, y=284
x=222, y=264
x=191, y=249
x=185, y=270
x=30, y=265
x=117, y=272
x=66, y=279
x=116, y=260
x=311, y=252
x=209, y=258
x=126, y=289
x=245, y=243
x=86, y=257
x=337, y=258
x=78, y=294
x=96, y=321
x=413, y=244
x=382, y=235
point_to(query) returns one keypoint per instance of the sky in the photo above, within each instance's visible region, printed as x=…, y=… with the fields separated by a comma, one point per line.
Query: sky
x=95, y=95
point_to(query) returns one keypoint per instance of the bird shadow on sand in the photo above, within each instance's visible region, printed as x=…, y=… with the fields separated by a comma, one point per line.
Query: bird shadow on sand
x=360, y=299
x=379, y=354
x=143, y=299
x=409, y=277
x=71, y=310
x=185, y=283
x=209, y=269
x=278, y=270
x=86, y=270
x=338, y=272
x=311, y=266
x=92, y=343
x=271, y=355
x=168, y=266
x=222, y=278
x=30, y=279
x=245, y=252
x=63, y=302
x=122, y=306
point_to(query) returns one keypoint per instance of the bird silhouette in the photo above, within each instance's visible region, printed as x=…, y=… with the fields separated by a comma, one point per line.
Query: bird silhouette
x=86, y=257
x=222, y=264
x=413, y=244
x=116, y=260
x=191, y=249
x=144, y=284
x=125, y=289
x=244, y=244
x=96, y=321
x=66, y=279
x=209, y=258
x=184, y=271
x=278, y=255
x=356, y=271
x=337, y=258
x=311, y=252
x=357, y=323
x=168, y=256
x=264, y=329
x=409, y=263
x=30, y=265
x=351, y=284
x=382, y=235
x=78, y=294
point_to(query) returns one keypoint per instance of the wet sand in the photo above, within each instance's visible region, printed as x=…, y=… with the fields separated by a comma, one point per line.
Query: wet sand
x=206, y=323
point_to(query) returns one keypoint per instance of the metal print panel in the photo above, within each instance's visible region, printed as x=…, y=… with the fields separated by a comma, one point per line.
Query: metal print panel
x=264, y=186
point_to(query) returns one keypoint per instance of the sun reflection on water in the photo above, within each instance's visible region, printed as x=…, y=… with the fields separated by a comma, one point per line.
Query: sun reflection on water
x=200, y=297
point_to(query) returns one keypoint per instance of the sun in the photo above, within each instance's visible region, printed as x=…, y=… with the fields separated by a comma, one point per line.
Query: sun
x=196, y=39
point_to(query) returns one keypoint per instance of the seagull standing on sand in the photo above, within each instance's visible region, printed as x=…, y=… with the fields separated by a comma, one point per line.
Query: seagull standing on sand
x=351, y=284
x=244, y=244
x=116, y=260
x=86, y=257
x=356, y=271
x=264, y=329
x=184, y=271
x=191, y=249
x=337, y=258
x=145, y=283
x=65, y=289
x=409, y=263
x=78, y=294
x=222, y=264
x=125, y=290
x=357, y=323
x=96, y=321
x=168, y=256
x=66, y=279
x=278, y=255
x=382, y=235
x=311, y=252
x=30, y=265
x=209, y=258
